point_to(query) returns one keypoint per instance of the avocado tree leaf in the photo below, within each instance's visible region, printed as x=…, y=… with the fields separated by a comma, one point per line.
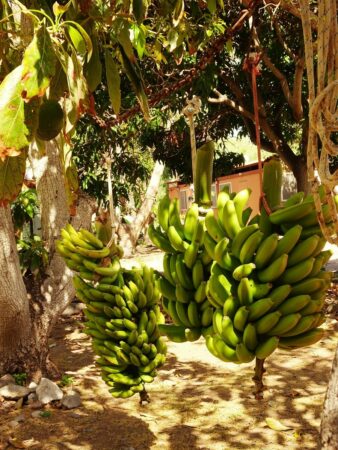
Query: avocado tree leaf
x=212, y=6
x=140, y=10
x=93, y=68
x=12, y=172
x=178, y=12
x=13, y=131
x=113, y=81
x=133, y=73
x=124, y=40
x=38, y=64
x=80, y=38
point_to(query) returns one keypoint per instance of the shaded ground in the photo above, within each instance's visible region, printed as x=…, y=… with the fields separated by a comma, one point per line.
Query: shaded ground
x=198, y=402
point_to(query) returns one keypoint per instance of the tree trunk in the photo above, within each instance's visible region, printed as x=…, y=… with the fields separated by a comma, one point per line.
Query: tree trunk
x=28, y=319
x=329, y=425
x=130, y=234
x=300, y=173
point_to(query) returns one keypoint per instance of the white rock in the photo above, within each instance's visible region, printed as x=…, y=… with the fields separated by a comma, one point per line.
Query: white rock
x=14, y=423
x=6, y=379
x=32, y=386
x=13, y=391
x=72, y=400
x=48, y=391
x=36, y=414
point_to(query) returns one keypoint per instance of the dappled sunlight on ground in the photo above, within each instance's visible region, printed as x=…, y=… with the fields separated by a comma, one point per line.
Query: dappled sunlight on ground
x=197, y=401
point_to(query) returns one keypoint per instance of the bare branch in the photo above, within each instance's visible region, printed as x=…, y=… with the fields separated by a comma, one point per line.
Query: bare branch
x=222, y=98
x=297, y=90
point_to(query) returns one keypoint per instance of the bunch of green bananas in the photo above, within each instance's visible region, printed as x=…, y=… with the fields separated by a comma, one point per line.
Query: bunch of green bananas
x=122, y=312
x=267, y=283
x=186, y=267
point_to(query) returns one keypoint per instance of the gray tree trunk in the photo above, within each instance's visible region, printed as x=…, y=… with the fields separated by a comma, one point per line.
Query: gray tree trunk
x=329, y=425
x=29, y=318
x=130, y=234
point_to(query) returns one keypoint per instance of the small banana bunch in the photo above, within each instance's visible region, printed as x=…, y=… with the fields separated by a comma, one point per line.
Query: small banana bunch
x=268, y=289
x=122, y=312
x=186, y=270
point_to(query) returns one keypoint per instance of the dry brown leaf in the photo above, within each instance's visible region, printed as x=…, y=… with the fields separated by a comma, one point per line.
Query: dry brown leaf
x=276, y=425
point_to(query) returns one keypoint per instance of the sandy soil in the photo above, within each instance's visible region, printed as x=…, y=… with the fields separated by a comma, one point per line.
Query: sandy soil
x=197, y=401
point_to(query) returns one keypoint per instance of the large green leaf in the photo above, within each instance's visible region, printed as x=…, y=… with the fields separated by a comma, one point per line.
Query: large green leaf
x=38, y=64
x=12, y=172
x=13, y=131
x=113, y=81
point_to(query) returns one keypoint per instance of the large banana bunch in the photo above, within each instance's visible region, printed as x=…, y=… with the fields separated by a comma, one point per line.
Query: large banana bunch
x=122, y=312
x=267, y=281
x=186, y=268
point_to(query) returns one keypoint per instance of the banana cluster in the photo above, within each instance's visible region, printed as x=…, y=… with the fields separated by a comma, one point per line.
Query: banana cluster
x=122, y=312
x=186, y=266
x=267, y=282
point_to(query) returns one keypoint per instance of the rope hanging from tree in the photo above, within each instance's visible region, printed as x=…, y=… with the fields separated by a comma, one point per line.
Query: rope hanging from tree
x=323, y=116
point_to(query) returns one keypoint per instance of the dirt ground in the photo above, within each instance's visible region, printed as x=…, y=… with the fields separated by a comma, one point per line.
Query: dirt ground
x=197, y=401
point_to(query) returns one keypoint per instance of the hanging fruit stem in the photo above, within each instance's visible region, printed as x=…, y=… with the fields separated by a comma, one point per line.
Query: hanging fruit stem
x=144, y=396
x=272, y=182
x=258, y=378
x=203, y=179
x=192, y=108
x=111, y=203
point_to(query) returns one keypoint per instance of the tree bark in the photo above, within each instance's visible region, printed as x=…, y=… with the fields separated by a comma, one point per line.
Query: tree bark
x=329, y=425
x=27, y=319
x=130, y=234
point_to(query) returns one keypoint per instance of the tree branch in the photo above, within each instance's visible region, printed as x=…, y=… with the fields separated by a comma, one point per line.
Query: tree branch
x=297, y=90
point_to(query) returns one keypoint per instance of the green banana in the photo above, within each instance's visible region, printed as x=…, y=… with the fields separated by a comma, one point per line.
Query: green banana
x=230, y=307
x=190, y=254
x=90, y=238
x=184, y=277
x=197, y=273
x=173, y=313
x=166, y=289
x=260, y=290
x=313, y=306
x=267, y=322
x=297, y=272
x=244, y=355
x=302, y=340
x=175, y=333
x=175, y=240
x=295, y=199
x=174, y=218
x=209, y=245
x=190, y=221
x=193, y=334
x=250, y=246
x=182, y=313
x=291, y=213
x=230, y=220
x=250, y=337
x=207, y=315
x=308, y=286
x=159, y=240
x=217, y=321
x=244, y=270
x=245, y=292
x=267, y=347
x=163, y=212
x=183, y=295
x=303, y=250
x=193, y=315
x=240, y=200
x=220, y=250
x=246, y=215
x=200, y=293
x=274, y=270
x=304, y=324
x=241, y=318
x=228, y=332
x=224, y=351
x=213, y=227
x=285, y=324
x=288, y=241
x=241, y=237
x=294, y=304
x=259, y=308
x=265, y=251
